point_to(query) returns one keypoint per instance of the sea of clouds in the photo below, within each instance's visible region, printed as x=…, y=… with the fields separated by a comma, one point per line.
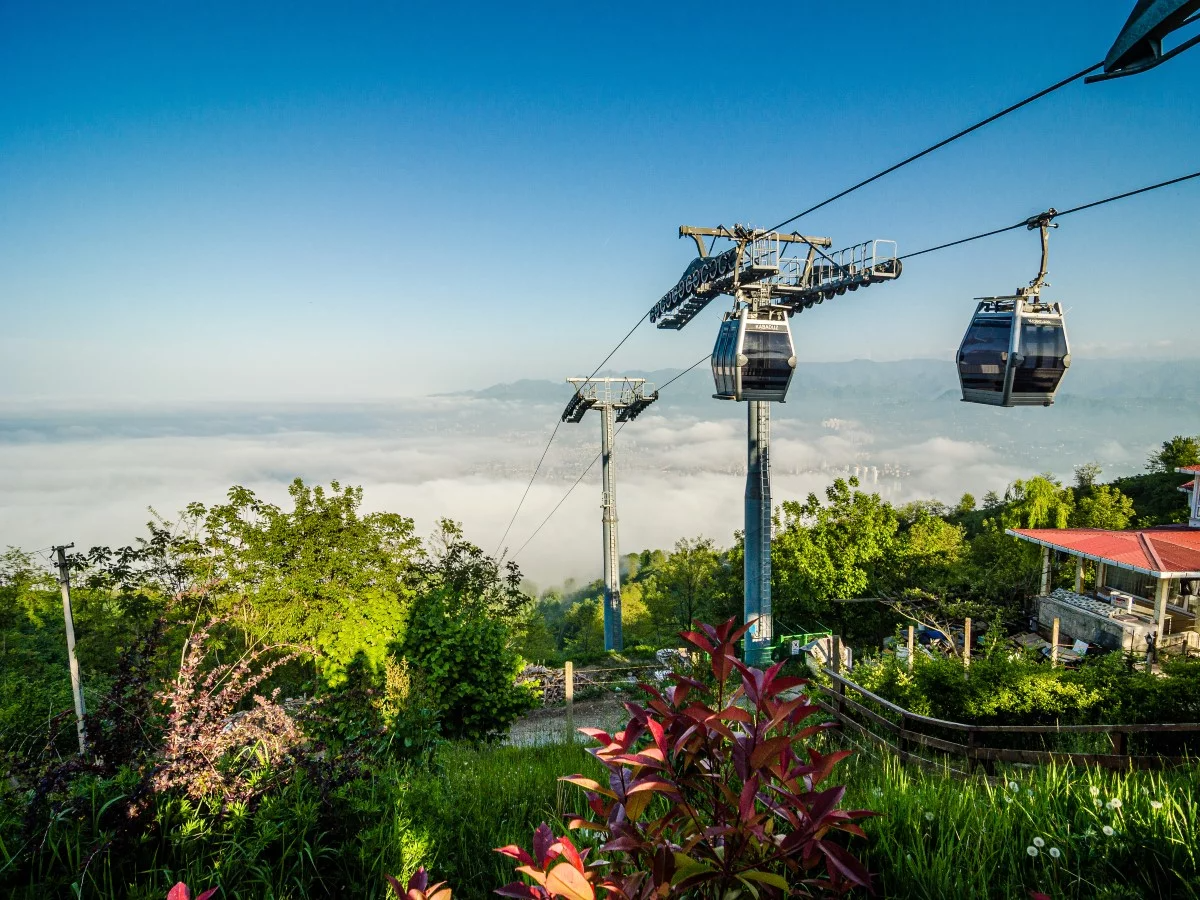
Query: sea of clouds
x=91, y=476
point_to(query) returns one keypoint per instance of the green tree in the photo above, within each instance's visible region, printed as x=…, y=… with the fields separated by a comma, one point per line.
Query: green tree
x=1040, y=502
x=319, y=575
x=682, y=588
x=927, y=556
x=1086, y=475
x=826, y=551
x=1176, y=453
x=1104, y=506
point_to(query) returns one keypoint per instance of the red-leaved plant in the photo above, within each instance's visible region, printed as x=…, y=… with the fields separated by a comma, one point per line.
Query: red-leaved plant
x=419, y=887
x=711, y=793
x=182, y=892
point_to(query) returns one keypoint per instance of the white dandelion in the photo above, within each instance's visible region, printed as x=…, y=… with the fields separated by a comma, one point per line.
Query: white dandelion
x=1013, y=786
x=1099, y=803
x=1032, y=851
x=1095, y=791
x=1039, y=842
x=1156, y=804
x=1108, y=831
x=928, y=817
x=1054, y=852
x=1114, y=803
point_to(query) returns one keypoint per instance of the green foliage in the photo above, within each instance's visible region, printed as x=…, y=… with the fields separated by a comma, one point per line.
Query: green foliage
x=936, y=836
x=1001, y=687
x=1175, y=453
x=1156, y=497
x=1103, y=506
x=1040, y=502
x=827, y=551
x=682, y=587
x=35, y=684
x=468, y=665
x=320, y=575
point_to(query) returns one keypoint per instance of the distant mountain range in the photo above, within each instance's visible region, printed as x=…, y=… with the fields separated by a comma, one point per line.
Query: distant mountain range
x=905, y=380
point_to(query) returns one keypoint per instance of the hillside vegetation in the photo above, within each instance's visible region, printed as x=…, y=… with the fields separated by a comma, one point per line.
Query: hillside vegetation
x=295, y=701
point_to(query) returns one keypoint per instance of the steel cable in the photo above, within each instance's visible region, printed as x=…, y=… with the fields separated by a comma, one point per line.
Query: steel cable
x=954, y=137
x=596, y=459
x=1057, y=215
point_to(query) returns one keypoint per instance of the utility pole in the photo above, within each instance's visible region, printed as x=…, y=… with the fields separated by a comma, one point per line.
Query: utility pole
x=618, y=400
x=64, y=581
x=754, y=357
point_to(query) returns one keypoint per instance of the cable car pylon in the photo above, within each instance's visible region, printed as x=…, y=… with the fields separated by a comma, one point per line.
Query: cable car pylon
x=754, y=359
x=618, y=400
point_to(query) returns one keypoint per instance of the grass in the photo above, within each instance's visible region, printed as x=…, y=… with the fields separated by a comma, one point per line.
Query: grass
x=936, y=837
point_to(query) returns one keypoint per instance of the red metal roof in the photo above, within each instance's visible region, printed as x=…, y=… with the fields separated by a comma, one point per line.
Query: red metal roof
x=1189, y=469
x=1187, y=487
x=1155, y=551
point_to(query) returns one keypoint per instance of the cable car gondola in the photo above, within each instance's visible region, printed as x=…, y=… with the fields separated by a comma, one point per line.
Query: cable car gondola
x=1015, y=350
x=754, y=357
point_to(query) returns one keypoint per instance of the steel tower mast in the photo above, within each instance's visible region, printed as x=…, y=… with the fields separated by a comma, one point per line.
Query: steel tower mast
x=618, y=400
x=767, y=289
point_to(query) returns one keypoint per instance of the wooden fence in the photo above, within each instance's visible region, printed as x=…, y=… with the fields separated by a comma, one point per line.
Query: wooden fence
x=904, y=733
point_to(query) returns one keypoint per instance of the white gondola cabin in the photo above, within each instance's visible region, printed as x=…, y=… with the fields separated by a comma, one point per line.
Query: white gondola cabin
x=1014, y=353
x=754, y=357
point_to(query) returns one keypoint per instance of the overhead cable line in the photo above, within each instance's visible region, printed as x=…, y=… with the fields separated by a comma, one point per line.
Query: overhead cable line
x=954, y=137
x=1057, y=215
x=596, y=459
x=538, y=467
x=521, y=502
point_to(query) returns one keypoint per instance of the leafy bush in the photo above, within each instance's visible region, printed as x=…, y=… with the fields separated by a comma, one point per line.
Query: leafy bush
x=709, y=792
x=468, y=666
x=1014, y=689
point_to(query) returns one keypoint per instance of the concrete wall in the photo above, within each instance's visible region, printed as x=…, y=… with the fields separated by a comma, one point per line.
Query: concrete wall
x=1081, y=625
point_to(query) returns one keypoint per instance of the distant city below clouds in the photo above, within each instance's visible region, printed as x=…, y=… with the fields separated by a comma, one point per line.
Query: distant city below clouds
x=90, y=475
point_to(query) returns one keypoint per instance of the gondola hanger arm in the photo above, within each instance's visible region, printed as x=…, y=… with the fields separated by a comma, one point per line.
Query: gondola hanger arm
x=1044, y=222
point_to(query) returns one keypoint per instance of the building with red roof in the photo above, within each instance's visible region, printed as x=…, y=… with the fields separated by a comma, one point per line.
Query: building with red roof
x=1193, y=494
x=1146, y=584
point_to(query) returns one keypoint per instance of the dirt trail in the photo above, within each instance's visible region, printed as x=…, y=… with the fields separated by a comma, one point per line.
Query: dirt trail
x=549, y=725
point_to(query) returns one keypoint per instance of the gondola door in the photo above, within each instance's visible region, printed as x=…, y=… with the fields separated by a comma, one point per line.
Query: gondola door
x=983, y=355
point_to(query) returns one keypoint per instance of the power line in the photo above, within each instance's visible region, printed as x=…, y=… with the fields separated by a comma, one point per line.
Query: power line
x=954, y=137
x=1057, y=215
x=595, y=460
x=628, y=334
x=538, y=468
x=904, y=162
x=521, y=502
x=704, y=358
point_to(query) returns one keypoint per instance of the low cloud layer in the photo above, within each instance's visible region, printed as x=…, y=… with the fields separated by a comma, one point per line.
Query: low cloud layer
x=89, y=476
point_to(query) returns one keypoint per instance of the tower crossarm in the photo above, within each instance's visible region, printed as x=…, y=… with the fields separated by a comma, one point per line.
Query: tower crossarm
x=628, y=396
x=754, y=259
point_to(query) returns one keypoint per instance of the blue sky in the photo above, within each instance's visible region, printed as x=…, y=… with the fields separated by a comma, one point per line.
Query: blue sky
x=255, y=201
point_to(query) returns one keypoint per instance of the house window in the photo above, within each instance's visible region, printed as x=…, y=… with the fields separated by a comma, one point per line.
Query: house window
x=1184, y=595
x=1129, y=582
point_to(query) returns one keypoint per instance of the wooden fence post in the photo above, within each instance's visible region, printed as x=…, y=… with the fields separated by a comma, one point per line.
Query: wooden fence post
x=836, y=645
x=911, y=646
x=967, y=644
x=1054, y=644
x=569, y=696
